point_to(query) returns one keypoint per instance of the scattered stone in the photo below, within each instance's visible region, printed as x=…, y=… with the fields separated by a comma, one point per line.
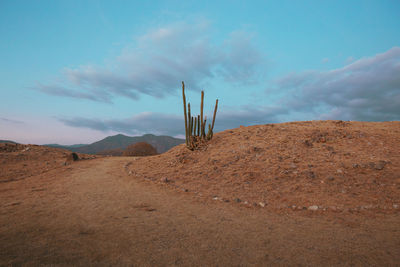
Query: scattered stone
x=262, y=204
x=73, y=157
x=331, y=178
x=311, y=174
x=339, y=171
x=380, y=165
x=395, y=206
x=215, y=198
x=313, y=208
x=238, y=200
x=308, y=143
x=165, y=180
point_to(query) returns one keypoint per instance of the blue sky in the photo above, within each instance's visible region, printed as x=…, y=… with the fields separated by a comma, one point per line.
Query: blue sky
x=77, y=71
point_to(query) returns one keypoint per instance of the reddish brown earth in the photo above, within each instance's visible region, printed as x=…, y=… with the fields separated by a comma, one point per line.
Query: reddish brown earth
x=18, y=161
x=244, y=199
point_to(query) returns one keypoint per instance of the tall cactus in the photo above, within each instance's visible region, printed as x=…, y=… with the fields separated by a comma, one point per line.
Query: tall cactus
x=195, y=126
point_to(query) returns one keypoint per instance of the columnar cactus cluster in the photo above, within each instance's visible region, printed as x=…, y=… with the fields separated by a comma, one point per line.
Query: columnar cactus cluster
x=195, y=126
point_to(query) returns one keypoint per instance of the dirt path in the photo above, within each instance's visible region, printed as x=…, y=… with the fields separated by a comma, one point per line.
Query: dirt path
x=92, y=212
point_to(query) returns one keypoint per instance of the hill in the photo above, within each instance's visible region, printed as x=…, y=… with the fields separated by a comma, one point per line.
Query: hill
x=21, y=161
x=120, y=142
x=65, y=146
x=7, y=141
x=311, y=165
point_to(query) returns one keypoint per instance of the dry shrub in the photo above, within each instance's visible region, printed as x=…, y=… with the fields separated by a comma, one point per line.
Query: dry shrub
x=140, y=149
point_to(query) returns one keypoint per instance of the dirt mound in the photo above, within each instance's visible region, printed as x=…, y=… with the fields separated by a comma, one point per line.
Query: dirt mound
x=19, y=161
x=140, y=149
x=318, y=166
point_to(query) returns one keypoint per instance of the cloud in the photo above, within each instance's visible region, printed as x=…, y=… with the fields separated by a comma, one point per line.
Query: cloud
x=367, y=90
x=159, y=60
x=173, y=125
x=11, y=121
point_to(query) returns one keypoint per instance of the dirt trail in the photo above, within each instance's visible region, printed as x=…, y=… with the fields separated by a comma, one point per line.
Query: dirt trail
x=92, y=212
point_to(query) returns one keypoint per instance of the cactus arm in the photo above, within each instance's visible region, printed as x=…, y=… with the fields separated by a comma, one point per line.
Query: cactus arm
x=184, y=111
x=215, y=114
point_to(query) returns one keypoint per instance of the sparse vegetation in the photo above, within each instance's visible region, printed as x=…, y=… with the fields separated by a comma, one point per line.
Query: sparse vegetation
x=140, y=149
x=195, y=126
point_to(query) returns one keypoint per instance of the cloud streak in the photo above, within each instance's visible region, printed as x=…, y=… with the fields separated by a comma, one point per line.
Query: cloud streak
x=11, y=121
x=170, y=124
x=157, y=63
x=367, y=90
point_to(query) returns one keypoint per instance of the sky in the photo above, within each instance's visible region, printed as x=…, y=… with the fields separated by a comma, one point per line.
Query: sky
x=75, y=72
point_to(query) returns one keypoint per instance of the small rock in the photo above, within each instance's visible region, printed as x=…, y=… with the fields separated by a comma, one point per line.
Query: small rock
x=262, y=204
x=311, y=174
x=313, y=208
x=165, y=180
x=238, y=200
x=331, y=178
x=380, y=165
x=308, y=143
x=215, y=198
x=73, y=157
x=339, y=171
x=395, y=206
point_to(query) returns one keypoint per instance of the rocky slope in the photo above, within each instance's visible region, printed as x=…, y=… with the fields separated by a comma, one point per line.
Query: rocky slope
x=322, y=166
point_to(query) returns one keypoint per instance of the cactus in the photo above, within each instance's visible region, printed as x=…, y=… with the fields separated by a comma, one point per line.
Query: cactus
x=215, y=113
x=198, y=125
x=195, y=126
x=184, y=111
x=189, y=125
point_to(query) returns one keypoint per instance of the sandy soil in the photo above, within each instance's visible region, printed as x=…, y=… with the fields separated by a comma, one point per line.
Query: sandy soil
x=125, y=211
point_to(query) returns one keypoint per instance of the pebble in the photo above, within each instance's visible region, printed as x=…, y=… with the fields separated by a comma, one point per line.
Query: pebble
x=238, y=200
x=395, y=206
x=165, y=180
x=313, y=208
x=262, y=204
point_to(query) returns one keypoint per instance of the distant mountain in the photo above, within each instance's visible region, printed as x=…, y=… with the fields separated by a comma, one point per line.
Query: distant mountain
x=120, y=141
x=65, y=147
x=8, y=141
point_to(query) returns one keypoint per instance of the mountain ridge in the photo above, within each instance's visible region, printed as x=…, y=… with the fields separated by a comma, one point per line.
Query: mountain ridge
x=119, y=141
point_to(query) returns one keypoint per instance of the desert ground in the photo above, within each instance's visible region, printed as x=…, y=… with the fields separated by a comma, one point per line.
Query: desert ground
x=317, y=193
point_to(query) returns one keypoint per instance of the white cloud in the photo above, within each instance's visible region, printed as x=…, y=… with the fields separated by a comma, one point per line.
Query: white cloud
x=159, y=60
x=367, y=89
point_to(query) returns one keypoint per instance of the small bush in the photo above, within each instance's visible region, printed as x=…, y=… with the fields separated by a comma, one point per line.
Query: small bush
x=140, y=149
